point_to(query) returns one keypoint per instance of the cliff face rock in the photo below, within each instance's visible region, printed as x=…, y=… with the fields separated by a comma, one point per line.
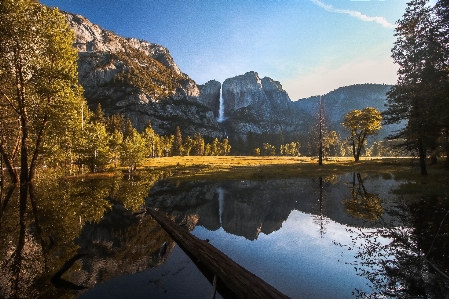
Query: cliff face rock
x=249, y=90
x=242, y=91
x=93, y=38
x=140, y=80
x=256, y=105
x=210, y=95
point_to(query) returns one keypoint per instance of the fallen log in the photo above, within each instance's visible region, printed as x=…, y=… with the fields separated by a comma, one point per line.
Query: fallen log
x=243, y=283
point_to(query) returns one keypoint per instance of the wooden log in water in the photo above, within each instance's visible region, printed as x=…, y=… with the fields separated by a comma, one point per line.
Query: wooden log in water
x=240, y=281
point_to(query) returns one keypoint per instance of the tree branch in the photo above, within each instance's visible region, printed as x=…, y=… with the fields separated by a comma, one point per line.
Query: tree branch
x=9, y=101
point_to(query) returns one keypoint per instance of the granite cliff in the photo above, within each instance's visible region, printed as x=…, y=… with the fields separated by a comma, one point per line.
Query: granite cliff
x=141, y=80
x=259, y=106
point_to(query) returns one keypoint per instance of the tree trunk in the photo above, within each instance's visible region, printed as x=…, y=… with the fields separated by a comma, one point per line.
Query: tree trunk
x=243, y=283
x=9, y=167
x=354, y=152
x=422, y=157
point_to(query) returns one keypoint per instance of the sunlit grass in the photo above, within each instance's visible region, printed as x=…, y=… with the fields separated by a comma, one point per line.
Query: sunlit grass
x=259, y=168
x=249, y=167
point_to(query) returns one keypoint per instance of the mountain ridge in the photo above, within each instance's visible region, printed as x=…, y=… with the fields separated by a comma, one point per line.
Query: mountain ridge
x=142, y=81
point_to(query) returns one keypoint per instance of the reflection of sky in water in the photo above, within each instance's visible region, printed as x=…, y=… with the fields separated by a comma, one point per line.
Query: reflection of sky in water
x=296, y=259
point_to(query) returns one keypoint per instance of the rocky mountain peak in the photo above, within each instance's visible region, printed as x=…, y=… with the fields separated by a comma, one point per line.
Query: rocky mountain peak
x=210, y=95
x=249, y=90
x=138, y=79
x=92, y=38
x=141, y=80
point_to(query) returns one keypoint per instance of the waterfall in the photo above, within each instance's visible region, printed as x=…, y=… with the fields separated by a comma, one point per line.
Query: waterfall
x=221, y=108
x=220, y=192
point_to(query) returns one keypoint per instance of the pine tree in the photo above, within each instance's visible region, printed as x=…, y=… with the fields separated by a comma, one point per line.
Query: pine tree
x=177, y=144
x=98, y=116
x=198, y=145
x=115, y=122
x=419, y=97
x=128, y=129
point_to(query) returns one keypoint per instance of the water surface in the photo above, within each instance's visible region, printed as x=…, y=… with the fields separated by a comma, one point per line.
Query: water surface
x=329, y=237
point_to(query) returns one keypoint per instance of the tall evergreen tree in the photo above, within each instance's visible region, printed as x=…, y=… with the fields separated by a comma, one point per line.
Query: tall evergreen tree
x=98, y=116
x=115, y=122
x=198, y=145
x=128, y=129
x=418, y=97
x=177, y=144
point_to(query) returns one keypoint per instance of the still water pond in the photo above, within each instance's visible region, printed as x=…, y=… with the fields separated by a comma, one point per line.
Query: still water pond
x=330, y=237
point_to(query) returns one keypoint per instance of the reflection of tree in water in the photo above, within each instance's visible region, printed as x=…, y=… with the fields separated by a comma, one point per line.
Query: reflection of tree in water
x=407, y=261
x=132, y=191
x=363, y=204
x=320, y=218
x=37, y=241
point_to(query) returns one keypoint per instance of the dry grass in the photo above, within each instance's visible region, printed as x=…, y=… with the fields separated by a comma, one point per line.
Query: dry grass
x=259, y=168
x=248, y=167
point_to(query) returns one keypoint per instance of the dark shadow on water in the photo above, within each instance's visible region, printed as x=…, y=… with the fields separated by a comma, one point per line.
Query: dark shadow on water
x=407, y=261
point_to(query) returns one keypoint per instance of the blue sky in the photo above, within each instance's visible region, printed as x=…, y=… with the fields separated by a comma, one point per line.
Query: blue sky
x=310, y=46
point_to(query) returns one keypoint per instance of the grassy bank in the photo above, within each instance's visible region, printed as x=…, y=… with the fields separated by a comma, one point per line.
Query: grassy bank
x=236, y=167
x=259, y=168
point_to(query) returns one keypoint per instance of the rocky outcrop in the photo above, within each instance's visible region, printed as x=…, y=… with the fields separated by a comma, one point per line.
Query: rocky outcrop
x=140, y=80
x=241, y=92
x=254, y=105
x=210, y=95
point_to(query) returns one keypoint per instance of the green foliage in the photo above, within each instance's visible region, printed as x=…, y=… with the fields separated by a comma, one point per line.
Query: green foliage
x=268, y=150
x=131, y=193
x=420, y=97
x=361, y=124
x=95, y=151
x=39, y=83
x=177, y=143
x=115, y=122
x=198, y=145
x=289, y=149
x=225, y=147
x=217, y=148
x=187, y=146
x=133, y=150
x=98, y=116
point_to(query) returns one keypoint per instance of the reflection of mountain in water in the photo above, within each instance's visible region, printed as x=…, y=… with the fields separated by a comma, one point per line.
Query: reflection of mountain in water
x=246, y=208
x=121, y=243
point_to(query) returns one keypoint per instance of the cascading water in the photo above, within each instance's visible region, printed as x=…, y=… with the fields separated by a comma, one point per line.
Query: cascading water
x=221, y=108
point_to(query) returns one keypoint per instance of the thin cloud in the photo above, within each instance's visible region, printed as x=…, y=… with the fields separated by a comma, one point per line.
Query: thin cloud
x=380, y=20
